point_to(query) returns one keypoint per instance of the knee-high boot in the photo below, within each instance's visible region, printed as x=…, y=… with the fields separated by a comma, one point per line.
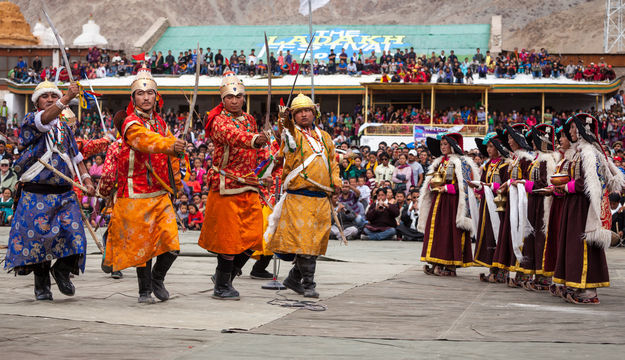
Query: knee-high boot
x=162, y=265
x=144, y=277
x=42, y=281
x=259, y=270
x=307, y=266
x=238, y=263
x=223, y=289
x=60, y=272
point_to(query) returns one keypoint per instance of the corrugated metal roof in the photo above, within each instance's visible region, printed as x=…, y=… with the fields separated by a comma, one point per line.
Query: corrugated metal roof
x=463, y=39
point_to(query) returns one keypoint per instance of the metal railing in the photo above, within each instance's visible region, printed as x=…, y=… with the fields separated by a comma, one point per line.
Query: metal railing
x=408, y=129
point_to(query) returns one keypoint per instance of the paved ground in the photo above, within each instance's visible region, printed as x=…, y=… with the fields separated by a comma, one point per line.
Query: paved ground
x=379, y=305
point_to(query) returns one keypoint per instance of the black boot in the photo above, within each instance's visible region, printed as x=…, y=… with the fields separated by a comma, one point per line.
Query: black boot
x=294, y=280
x=223, y=286
x=105, y=268
x=238, y=263
x=259, y=270
x=307, y=265
x=42, y=281
x=163, y=263
x=61, y=274
x=144, y=277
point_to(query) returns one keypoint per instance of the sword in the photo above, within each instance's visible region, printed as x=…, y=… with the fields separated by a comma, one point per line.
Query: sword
x=187, y=126
x=267, y=126
x=61, y=45
x=288, y=102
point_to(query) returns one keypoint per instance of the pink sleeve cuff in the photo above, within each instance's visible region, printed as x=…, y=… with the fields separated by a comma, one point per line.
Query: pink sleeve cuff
x=529, y=185
x=496, y=186
x=480, y=191
x=570, y=186
x=451, y=189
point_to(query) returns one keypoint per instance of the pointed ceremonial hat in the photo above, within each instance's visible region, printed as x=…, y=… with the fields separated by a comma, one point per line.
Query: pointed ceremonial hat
x=231, y=85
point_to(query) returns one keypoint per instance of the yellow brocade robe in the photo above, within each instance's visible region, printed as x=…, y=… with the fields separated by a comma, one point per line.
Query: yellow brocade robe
x=304, y=223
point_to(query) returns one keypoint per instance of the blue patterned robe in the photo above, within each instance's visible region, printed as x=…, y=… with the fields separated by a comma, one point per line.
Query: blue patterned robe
x=46, y=226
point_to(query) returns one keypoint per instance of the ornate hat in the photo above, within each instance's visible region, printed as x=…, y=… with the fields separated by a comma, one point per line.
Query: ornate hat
x=44, y=88
x=143, y=81
x=302, y=101
x=454, y=139
x=231, y=85
x=517, y=131
x=559, y=132
x=495, y=139
x=587, y=127
x=68, y=116
x=543, y=136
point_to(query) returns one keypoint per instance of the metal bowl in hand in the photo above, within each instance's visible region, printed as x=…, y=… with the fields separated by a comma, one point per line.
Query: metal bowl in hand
x=560, y=179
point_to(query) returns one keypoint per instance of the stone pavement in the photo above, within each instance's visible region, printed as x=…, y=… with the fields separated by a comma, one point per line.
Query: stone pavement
x=379, y=305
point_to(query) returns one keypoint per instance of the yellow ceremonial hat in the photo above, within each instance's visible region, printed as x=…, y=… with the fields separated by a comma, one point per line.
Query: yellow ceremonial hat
x=302, y=101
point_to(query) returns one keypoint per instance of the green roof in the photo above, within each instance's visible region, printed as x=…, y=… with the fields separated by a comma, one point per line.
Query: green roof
x=463, y=39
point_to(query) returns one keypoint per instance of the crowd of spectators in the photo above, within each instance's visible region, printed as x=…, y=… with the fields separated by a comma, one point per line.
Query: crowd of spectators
x=401, y=66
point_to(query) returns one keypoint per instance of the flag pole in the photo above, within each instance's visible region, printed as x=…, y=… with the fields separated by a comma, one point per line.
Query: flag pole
x=312, y=57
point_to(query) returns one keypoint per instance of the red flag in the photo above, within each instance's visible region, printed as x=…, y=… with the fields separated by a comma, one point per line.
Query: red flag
x=227, y=62
x=140, y=57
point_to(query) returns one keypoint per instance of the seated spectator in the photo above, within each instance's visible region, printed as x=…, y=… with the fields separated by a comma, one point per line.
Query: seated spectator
x=384, y=171
x=381, y=217
x=349, y=197
x=196, y=218
x=407, y=229
x=342, y=68
x=402, y=175
x=482, y=71
x=6, y=207
x=351, y=69
x=347, y=218
x=183, y=215
x=365, y=191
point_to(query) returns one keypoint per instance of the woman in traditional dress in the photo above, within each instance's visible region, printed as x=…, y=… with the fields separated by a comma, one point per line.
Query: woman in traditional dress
x=555, y=213
x=446, y=196
x=581, y=264
x=510, y=238
x=494, y=173
x=538, y=188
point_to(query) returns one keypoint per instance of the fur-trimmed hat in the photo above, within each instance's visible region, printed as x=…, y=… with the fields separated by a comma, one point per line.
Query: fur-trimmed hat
x=231, y=85
x=45, y=87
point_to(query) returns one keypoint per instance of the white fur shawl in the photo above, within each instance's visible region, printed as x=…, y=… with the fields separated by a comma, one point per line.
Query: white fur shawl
x=463, y=218
x=597, y=170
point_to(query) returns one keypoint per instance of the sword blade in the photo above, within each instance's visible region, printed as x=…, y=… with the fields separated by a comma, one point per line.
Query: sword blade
x=288, y=102
x=267, y=121
x=187, y=126
x=61, y=45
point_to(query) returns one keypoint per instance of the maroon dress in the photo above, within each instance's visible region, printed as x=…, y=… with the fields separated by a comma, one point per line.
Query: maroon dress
x=579, y=264
x=443, y=242
x=534, y=243
x=553, y=231
x=504, y=257
x=495, y=172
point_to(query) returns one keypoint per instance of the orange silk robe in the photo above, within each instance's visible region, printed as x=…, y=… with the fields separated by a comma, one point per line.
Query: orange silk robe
x=143, y=224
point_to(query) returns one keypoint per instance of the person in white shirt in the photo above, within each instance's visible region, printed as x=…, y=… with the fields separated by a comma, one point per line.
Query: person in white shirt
x=251, y=58
x=365, y=192
x=417, y=169
x=384, y=171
